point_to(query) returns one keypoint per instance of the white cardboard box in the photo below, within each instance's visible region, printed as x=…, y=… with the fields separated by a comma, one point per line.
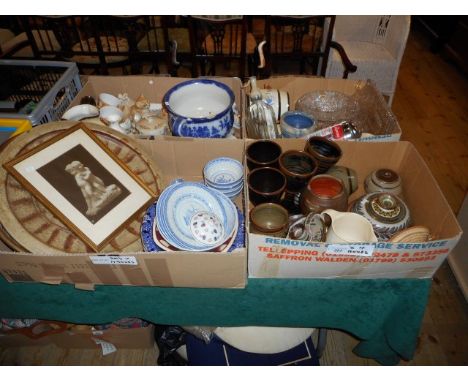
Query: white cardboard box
x=285, y=258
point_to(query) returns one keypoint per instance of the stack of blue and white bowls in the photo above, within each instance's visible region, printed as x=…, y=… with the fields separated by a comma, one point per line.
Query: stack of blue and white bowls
x=225, y=175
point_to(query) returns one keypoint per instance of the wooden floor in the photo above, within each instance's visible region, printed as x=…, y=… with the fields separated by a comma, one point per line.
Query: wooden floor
x=431, y=104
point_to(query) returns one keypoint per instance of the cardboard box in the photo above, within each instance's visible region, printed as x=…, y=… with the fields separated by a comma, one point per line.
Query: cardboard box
x=176, y=159
x=152, y=87
x=285, y=258
x=82, y=336
x=376, y=110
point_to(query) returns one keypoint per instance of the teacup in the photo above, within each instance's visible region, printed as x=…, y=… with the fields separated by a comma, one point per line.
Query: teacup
x=263, y=153
x=106, y=99
x=112, y=117
x=278, y=99
x=266, y=184
x=348, y=227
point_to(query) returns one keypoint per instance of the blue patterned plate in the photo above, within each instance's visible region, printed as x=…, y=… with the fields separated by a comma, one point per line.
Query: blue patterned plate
x=180, y=201
x=151, y=238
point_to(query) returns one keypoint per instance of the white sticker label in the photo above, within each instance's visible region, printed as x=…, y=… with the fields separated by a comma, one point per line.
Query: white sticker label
x=350, y=249
x=114, y=260
x=106, y=347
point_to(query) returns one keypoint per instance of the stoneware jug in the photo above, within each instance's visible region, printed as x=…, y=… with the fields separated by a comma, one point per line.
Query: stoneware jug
x=348, y=227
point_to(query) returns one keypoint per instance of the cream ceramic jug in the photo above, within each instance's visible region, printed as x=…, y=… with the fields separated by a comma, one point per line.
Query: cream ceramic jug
x=348, y=227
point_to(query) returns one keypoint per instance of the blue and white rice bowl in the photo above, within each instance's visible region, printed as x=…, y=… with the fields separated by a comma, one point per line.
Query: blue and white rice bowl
x=200, y=108
x=225, y=175
x=180, y=201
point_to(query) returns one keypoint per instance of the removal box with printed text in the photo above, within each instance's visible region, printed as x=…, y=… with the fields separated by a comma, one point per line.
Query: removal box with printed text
x=286, y=258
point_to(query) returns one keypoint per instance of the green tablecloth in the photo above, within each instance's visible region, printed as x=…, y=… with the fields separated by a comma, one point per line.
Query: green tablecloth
x=385, y=314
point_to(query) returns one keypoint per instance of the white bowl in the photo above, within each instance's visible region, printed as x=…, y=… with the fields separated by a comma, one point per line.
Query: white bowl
x=200, y=108
x=223, y=172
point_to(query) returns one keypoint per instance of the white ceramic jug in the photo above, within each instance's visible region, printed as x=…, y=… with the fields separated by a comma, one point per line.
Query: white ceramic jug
x=349, y=227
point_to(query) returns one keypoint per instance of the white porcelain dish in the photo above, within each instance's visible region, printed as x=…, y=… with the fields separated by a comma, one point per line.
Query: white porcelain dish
x=79, y=112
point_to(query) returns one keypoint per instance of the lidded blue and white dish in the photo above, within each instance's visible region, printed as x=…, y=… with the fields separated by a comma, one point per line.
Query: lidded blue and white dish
x=200, y=108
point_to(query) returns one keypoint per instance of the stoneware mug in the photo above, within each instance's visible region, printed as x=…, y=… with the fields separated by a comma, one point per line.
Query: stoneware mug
x=266, y=184
x=263, y=153
x=348, y=227
x=269, y=219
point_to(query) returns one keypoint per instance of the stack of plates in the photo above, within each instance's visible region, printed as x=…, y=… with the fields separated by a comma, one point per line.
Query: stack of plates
x=167, y=223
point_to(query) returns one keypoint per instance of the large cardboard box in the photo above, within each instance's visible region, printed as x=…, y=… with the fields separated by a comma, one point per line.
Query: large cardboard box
x=176, y=159
x=153, y=88
x=380, y=120
x=80, y=336
x=285, y=258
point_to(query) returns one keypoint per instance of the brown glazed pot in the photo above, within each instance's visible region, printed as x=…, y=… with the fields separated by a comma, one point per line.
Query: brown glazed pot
x=269, y=219
x=262, y=153
x=323, y=192
x=266, y=184
x=325, y=151
x=298, y=167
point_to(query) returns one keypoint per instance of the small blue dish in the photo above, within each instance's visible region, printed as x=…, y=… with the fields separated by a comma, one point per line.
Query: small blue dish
x=296, y=124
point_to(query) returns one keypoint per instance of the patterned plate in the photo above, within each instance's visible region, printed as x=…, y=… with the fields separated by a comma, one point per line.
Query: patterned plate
x=151, y=238
x=38, y=230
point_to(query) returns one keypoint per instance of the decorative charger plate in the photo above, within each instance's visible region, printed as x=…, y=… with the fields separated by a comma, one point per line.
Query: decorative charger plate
x=36, y=229
x=180, y=201
x=152, y=244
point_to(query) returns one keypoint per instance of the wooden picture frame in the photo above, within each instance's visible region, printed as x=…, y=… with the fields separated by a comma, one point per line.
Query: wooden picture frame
x=84, y=184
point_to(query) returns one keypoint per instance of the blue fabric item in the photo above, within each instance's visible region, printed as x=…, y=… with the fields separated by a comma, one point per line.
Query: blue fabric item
x=219, y=353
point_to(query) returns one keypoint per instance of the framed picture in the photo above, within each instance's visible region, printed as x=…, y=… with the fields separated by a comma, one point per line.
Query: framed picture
x=84, y=184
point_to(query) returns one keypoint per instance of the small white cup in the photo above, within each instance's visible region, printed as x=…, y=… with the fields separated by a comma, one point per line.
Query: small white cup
x=278, y=99
x=349, y=227
x=106, y=99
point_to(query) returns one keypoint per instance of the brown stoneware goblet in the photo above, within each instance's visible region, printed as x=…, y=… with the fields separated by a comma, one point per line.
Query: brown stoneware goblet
x=298, y=167
x=263, y=153
x=325, y=151
x=266, y=184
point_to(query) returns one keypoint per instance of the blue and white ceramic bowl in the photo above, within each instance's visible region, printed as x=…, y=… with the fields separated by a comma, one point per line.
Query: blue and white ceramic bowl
x=223, y=172
x=180, y=201
x=200, y=108
x=296, y=124
x=149, y=227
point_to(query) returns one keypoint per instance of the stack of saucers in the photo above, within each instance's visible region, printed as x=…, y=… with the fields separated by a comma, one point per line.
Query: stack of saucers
x=225, y=175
